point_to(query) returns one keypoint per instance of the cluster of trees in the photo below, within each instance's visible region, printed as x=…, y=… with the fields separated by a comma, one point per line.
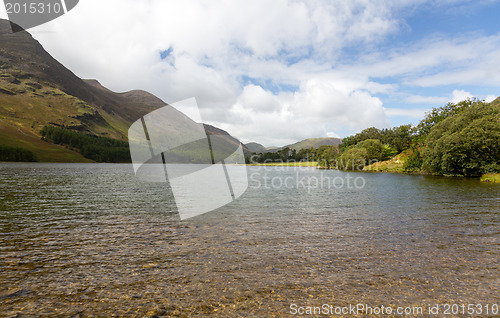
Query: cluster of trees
x=464, y=139
x=354, y=153
x=100, y=149
x=8, y=153
x=397, y=138
x=461, y=139
x=283, y=155
x=323, y=153
x=373, y=145
x=364, y=152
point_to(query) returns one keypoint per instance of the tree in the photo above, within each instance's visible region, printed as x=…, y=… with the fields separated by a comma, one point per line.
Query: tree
x=347, y=142
x=466, y=143
x=368, y=133
x=439, y=114
x=414, y=161
x=8, y=153
x=354, y=158
x=374, y=149
x=327, y=155
x=398, y=138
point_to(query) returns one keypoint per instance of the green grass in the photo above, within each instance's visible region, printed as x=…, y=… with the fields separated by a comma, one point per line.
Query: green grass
x=96, y=148
x=19, y=136
x=491, y=177
x=34, y=104
x=395, y=164
x=312, y=143
x=287, y=164
x=392, y=165
x=9, y=153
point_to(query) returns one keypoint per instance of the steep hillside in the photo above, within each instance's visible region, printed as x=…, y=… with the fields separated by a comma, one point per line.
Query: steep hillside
x=226, y=138
x=37, y=91
x=309, y=143
x=315, y=143
x=255, y=147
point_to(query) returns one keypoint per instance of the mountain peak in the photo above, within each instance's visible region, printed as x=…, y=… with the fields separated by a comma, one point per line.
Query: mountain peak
x=43, y=92
x=144, y=97
x=6, y=27
x=94, y=82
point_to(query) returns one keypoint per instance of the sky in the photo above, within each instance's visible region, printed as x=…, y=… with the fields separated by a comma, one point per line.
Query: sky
x=279, y=71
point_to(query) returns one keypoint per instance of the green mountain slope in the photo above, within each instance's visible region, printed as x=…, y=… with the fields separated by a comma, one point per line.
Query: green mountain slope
x=37, y=91
x=309, y=143
x=255, y=147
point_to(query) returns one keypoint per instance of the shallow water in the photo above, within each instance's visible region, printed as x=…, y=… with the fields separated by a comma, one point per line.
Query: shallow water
x=92, y=240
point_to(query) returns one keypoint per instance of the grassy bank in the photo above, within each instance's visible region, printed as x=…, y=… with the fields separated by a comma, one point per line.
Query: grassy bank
x=394, y=165
x=8, y=153
x=18, y=136
x=491, y=177
x=287, y=164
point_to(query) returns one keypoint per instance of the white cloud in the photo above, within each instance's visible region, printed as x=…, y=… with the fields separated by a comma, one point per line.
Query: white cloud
x=3, y=12
x=490, y=98
x=460, y=95
x=416, y=113
x=437, y=61
x=416, y=99
x=319, y=108
x=455, y=97
x=216, y=46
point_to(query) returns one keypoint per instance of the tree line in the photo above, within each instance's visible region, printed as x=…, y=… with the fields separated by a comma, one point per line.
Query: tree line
x=458, y=139
x=97, y=148
x=8, y=153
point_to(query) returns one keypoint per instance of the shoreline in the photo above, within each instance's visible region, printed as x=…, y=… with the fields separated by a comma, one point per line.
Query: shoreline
x=486, y=178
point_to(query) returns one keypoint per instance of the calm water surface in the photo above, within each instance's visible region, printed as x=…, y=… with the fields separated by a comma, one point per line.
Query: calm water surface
x=91, y=240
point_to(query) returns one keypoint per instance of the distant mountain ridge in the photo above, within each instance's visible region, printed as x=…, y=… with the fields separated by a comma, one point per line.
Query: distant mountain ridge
x=36, y=90
x=308, y=143
x=255, y=147
x=315, y=143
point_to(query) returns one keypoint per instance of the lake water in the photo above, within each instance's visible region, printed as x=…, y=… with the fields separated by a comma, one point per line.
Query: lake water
x=92, y=240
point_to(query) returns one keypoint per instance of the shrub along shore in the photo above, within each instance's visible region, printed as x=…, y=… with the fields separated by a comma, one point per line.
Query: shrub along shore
x=458, y=139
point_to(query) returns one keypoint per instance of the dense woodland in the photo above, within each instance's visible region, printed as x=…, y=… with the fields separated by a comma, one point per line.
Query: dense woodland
x=8, y=153
x=100, y=149
x=461, y=139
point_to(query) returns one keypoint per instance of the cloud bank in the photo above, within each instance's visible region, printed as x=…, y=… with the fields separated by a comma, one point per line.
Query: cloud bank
x=275, y=71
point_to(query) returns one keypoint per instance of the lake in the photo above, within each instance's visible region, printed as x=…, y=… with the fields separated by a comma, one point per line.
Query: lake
x=92, y=240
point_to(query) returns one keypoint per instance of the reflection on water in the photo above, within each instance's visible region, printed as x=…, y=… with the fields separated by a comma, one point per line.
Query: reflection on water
x=90, y=239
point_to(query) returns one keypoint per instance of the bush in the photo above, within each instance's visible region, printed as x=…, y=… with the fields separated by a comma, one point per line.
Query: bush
x=100, y=149
x=354, y=158
x=466, y=143
x=8, y=153
x=374, y=148
x=414, y=161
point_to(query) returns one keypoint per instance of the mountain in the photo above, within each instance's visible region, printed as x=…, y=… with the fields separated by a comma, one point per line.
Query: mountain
x=36, y=91
x=225, y=136
x=255, y=147
x=308, y=143
x=315, y=143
